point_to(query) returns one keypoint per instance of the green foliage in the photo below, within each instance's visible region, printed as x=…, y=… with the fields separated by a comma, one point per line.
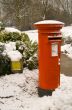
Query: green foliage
x=32, y=63
x=1, y=36
x=11, y=36
x=29, y=52
x=1, y=26
x=24, y=45
x=4, y=65
x=20, y=46
x=4, y=62
x=24, y=38
x=1, y=48
x=15, y=36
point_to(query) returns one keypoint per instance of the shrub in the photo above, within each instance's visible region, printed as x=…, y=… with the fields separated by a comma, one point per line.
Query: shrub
x=20, y=46
x=1, y=26
x=24, y=45
x=1, y=48
x=15, y=36
x=4, y=65
x=11, y=36
x=24, y=38
x=32, y=63
x=29, y=52
x=1, y=37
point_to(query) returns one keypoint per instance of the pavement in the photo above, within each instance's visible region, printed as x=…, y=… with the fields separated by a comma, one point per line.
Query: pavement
x=66, y=65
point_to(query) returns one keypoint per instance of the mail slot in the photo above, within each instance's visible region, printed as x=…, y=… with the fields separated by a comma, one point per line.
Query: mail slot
x=49, y=49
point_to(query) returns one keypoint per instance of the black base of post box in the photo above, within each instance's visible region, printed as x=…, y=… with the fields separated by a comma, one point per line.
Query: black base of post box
x=43, y=92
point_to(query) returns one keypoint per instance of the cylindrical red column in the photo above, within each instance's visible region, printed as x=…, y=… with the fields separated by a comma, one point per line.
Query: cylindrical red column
x=49, y=38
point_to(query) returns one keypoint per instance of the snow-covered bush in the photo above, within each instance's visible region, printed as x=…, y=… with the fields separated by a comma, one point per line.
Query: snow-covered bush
x=11, y=29
x=11, y=36
x=32, y=63
x=4, y=65
x=29, y=52
x=25, y=37
x=1, y=26
x=4, y=61
x=1, y=48
x=23, y=44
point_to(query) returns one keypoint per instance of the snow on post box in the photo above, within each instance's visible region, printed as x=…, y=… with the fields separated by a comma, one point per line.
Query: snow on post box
x=49, y=38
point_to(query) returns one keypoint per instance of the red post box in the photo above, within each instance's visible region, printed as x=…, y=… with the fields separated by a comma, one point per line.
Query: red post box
x=49, y=46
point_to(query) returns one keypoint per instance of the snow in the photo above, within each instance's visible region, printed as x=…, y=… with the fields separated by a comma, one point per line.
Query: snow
x=49, y=22
x=10, y=50
x=33, y=35
x=12, y=29
x=19, y=92
x=67, y=49
x=14, y=55
x=67, y=31
x=10, y=46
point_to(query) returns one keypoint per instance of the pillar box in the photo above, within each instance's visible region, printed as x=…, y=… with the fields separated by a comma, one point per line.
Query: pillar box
x=49, y=49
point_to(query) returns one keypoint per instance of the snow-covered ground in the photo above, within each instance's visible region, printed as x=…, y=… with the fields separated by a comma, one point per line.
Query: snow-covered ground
x=33, y=35
x=19, y=92
x=67, y=31
x=67, y=49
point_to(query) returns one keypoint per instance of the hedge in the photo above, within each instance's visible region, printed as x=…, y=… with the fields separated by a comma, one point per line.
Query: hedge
x=24, y=45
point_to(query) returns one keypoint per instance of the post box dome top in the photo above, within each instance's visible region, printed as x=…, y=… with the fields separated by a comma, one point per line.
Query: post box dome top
x=49, y=22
